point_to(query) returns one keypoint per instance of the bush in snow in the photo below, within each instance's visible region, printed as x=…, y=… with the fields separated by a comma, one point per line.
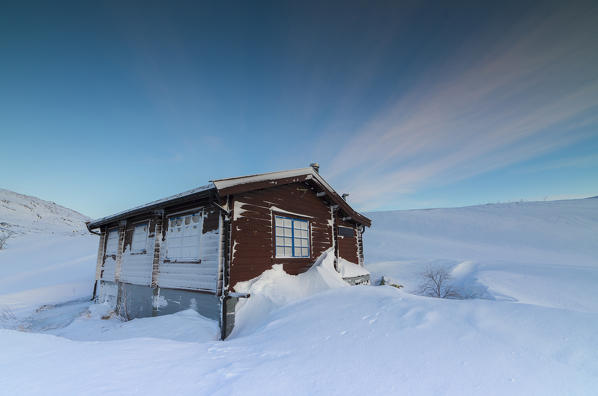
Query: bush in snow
x=3, y=238
x=437, y=283
x=7, y=317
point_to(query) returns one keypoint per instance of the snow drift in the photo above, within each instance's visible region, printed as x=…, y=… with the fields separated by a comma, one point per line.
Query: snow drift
x=275, y=288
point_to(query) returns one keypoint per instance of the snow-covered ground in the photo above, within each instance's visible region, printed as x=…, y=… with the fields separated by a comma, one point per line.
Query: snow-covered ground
x=48, y=258
x=538, y=253
x=532, y=329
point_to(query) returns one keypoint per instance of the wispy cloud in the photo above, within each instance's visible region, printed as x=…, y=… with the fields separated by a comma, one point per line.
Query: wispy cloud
x=526, y=95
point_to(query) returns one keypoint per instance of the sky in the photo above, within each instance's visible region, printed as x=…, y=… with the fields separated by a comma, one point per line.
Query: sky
x=108, y=105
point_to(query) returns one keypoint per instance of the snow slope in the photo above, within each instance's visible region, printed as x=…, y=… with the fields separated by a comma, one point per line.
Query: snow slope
x=532, y=333
x=49, y=256
x=24, y=214
x=540, y=253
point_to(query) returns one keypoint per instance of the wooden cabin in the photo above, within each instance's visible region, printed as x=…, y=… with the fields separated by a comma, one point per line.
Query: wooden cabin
x=189, y=250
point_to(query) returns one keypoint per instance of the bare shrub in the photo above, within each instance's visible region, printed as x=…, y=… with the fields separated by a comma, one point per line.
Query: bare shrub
x=437, y=283
x=3, y=239
x=6, y=315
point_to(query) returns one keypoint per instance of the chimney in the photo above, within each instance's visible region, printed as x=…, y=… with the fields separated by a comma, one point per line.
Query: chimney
x=316, y=166
x=345, y=195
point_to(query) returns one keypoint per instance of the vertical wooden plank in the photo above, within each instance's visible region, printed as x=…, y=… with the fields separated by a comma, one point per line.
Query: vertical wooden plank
x=122, y=228
x=158, y=225
x=101, y=248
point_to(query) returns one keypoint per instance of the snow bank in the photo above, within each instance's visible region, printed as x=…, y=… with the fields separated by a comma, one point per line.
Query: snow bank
x=348, y=269
x=99, y=323
x=343, y=341
x=275, y=288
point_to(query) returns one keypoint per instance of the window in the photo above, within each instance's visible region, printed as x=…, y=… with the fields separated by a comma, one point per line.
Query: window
x=183, y=236
x=346, y=232
x=292, y=237
x=139, y=244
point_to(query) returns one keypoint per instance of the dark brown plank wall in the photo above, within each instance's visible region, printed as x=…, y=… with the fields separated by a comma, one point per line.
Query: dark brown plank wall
x=253, y=235
x=347, y=246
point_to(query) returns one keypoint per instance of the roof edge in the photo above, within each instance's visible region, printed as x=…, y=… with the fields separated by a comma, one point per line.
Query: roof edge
x=223, y=186
x=184, y=196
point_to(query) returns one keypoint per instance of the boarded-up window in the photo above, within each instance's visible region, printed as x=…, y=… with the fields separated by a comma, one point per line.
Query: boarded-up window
x=292, y=237
x=112, y=243
x=183, y=236
x=139, y=243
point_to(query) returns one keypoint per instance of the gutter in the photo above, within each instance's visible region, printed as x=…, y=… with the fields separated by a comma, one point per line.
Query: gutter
x=87, y=224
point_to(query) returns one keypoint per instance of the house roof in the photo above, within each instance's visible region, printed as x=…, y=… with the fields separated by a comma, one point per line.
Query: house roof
x=241, y=184
x=236, y=185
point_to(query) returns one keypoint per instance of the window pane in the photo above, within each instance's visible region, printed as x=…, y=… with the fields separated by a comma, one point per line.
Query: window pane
x=288, y=232
x=297, y=225
x=303, y=225
x=279, y=241
x=287, y=223
x=297, y=252
x=278, y=221
x=305, y=252
x=279, y=251
x=288, y=252
x=288, y=241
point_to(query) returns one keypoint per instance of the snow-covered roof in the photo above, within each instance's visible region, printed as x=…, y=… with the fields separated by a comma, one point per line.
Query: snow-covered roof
x=98, y=222
x=235, y=184
x=235, y=181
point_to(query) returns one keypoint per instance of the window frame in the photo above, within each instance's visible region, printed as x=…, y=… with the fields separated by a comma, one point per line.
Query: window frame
x=292, y=227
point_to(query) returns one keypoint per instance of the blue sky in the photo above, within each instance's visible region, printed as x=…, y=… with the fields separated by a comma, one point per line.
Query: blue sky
x=110, y=105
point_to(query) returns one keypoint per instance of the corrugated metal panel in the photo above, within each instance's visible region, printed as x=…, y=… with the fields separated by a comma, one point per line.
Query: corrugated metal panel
x=200, y=274
x=107, y=293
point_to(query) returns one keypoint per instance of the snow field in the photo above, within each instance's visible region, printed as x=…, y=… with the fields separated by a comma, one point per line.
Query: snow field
x=530, y=331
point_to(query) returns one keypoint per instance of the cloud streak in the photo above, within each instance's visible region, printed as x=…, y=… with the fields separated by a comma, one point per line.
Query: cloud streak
x=532, y=92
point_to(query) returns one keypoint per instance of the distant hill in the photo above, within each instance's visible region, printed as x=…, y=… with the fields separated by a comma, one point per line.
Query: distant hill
x=515, y=231
x=543, y=253
x=23, y=214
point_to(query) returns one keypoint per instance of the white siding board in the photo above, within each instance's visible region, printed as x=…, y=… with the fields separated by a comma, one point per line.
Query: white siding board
x=109, y=266
x=136, y=268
